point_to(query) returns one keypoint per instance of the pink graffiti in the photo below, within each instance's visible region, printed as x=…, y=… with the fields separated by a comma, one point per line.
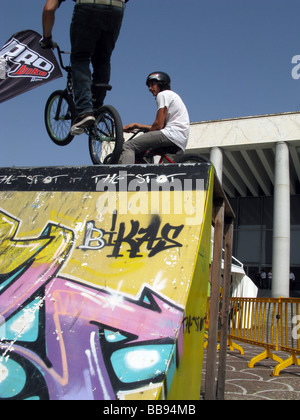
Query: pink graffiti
x=72, y=351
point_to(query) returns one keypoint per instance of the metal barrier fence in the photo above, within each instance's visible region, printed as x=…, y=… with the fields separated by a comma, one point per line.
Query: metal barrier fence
x=273, y=324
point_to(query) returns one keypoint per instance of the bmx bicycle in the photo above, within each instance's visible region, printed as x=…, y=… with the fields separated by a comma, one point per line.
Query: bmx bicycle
x=105, y=136
x=163, y=155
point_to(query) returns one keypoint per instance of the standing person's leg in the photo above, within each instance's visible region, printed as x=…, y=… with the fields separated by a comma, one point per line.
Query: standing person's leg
x=110, y=22
x=83, y=35
x=140, y=144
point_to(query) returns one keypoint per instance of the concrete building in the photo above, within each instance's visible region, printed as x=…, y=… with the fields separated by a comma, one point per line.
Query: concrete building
x=257, y=160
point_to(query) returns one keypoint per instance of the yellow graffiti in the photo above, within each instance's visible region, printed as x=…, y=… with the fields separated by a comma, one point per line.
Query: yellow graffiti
x=15, y=252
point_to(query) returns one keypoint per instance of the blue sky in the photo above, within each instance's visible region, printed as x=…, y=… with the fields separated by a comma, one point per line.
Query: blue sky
x=226, y=59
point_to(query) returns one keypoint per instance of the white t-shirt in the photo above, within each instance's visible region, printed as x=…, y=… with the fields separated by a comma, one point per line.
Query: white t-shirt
x=177, y=128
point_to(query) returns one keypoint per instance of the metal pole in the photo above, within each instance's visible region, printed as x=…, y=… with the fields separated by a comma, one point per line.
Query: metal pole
x=225, y=312
x=210, y=381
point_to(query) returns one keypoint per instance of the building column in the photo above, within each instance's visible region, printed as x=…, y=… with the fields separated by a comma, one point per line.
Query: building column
x=216, y=158
x=281, y=223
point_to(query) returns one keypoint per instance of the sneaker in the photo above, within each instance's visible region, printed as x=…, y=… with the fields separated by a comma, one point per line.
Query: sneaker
x=81, y=122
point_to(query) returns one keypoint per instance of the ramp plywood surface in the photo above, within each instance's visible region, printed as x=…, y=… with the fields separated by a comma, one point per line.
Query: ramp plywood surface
x=103, y=281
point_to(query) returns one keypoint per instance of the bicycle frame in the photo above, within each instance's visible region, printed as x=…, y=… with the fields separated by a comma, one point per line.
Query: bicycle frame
x=162, y=157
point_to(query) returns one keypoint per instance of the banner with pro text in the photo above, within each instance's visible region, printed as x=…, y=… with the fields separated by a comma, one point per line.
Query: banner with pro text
x=25, y=65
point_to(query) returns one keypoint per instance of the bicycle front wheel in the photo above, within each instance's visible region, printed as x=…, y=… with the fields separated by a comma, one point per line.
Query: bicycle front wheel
x=107, y=136
x=59, y=113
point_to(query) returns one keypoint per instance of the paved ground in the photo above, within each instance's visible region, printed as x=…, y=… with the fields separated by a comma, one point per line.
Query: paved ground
x=243, y=383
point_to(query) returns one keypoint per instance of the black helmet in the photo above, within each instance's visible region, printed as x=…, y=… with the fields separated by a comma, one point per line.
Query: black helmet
x=160, y=77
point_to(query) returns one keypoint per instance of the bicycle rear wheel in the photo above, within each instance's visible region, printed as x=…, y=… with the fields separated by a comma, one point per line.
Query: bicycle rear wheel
x=107, y=136
x=59, y=113
x=191, y=158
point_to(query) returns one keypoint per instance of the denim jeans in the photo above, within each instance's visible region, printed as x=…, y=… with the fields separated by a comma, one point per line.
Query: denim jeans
x=94, y=32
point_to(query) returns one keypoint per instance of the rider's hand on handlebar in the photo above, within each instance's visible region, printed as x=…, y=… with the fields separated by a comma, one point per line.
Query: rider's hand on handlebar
x=136, y=127
x=47, y=43
x=129, y=128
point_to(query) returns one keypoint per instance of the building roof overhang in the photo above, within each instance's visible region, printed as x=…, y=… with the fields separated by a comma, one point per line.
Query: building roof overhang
x=248, y=146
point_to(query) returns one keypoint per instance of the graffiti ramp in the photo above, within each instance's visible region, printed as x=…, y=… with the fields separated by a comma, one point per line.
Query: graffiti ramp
x=103, y=281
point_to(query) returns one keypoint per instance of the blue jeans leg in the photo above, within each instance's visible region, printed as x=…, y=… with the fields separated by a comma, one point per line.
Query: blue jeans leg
x=82, y=48
x=94, y=32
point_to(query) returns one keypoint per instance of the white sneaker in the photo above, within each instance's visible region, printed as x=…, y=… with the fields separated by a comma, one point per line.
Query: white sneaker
x=81, y=122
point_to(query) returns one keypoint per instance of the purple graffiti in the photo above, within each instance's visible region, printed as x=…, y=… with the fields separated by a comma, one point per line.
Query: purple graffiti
x=63, y=339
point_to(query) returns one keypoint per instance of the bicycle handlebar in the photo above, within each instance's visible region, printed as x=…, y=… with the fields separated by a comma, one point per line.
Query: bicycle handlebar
x=60, y=52
x=135, y=132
